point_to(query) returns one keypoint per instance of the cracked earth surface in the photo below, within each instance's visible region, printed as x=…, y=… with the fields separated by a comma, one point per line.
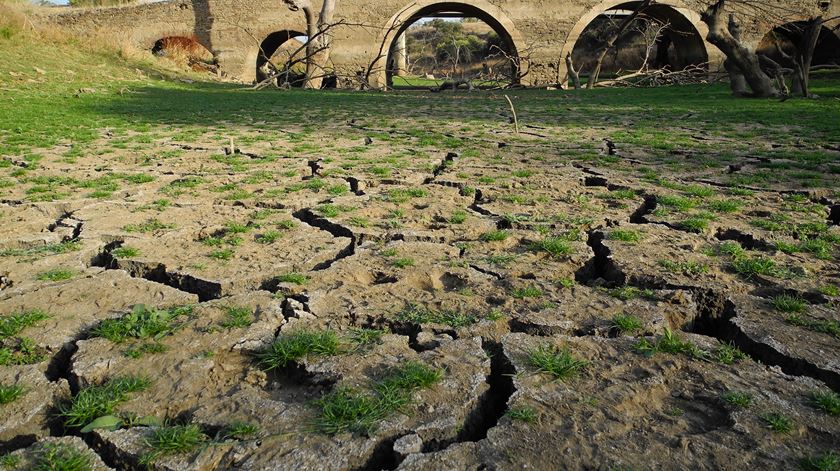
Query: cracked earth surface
x=467, y=255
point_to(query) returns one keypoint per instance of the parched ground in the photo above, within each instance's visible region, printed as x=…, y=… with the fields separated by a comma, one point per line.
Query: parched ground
x=638, y=279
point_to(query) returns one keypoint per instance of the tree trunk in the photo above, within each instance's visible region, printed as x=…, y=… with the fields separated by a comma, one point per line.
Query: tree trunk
x=610, y=42
x=321, y=56
x=573, y=74
x=726, y=36
x=805, y=55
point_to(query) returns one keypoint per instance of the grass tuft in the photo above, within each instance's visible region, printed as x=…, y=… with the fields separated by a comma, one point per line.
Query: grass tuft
x=826, y=401
x=9, y=394
x=173, y=440
x=290, y=348
x=556, y=362
x=141, y=323
x=95, y=401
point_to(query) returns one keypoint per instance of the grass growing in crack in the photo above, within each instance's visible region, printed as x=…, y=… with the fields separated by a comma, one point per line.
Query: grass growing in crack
x=13, y=324
x=825, y=462
x=141, y=323
x=96, y=401
x=830, y=290
x=554, y=246
x=268, y=237
x=125, y=252
x=523, y=414
x=629, y=236
x=778, y=423
x=9, y=394
x=627, y=323
x=290, y=348
x=366, y=338
x=677, y=203
x=60, y=457
x=58, y=274
x=559, y=363
x=737, y=399
x=348, y=410
x=825, y=326
x=237, y=317
x=240, y=431
x=789, y=304
x=826, y=401
x=172, y=440
x=494, y=236
x=42, y=250
x=293, y=278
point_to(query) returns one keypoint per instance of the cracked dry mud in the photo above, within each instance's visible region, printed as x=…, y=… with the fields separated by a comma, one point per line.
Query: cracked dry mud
x=468, y=261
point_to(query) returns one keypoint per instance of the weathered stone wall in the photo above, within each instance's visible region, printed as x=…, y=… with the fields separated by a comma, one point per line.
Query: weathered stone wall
x=542, y=30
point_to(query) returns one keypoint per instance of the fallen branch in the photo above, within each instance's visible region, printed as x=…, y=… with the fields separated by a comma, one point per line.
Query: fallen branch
x=513, y=110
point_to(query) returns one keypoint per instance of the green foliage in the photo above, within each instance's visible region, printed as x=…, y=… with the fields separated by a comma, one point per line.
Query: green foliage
x=559, y=363
x=523, y=414
x=495, y=236
x=237, y=317
x=241, y=430
x=366, y=338
x=403, y=262
x=96, y=401
x=778, y=422
x=527, y=292
x=824, y=462
x=737, y=399
x=790, y=304
x=150, y=225
x=826, y=401
x=125, y=252
x=626, y=293
x=9, y=394
x=60, y=457
x=290, y=348
x=141, y=323
x=293, y=278
x=671, y=343
x=458, y=217
x=13, y=324
x=348, y=410
x=173, y=440
x=689, y=268
x=629, y=236
x=554, y=246
x=58, y=274
x=677, y=203
x=728, y=354
x=627, y=323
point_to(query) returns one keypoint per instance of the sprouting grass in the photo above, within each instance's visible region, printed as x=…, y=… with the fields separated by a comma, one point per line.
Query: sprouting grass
x=172, y=440
x=403, y=262
x=141, y=323
x=237, y=317
x=629, y=236
x=523, y=414
x=695, y=224
x=789, y=304
x=737, y=399
x=501, y=260
x=527, y=292
x=42, y=250
x=626, y=293
x=826, y=401
x=458, y=217
x=268, y=237
x=559, y=363
x=778, y=423
x=728, y=354
x=96, y=401
x=494, y=236
x=732, y=249
x=627, y=323
x=60, y=457
x=223, y=254
x=677, y=203
x=348, y=410
x=290, y=348
x=58, y=274
x=366, y=338
x=9, y=394
x=137, y=351
x=830, y=290
x=825, y=326
x=554, y=246
x=24, y=352
x=689, y=268
x=829, y=461
x=669, y=342
x=13, y=324
x=125, y=252
x=753, y=266
x=725, y=206
x=150, y=225
x=241, y=430
x=293, y=278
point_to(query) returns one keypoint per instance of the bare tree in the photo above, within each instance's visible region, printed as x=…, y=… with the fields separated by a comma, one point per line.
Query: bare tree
x=319, y=41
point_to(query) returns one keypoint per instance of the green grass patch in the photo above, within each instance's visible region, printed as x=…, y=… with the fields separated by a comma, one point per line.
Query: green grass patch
x=96, y=401
x=290, y=348
x=142, y=323
x=173, y=440
x=559, y=363
x=9, y=394
x=237, y=317
x=58, y=274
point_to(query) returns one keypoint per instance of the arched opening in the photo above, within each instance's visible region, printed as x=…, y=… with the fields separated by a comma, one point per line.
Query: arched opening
x=661, y=37
x=787, y=37
x=282, y=55
x=447, y=43
x=186, y=51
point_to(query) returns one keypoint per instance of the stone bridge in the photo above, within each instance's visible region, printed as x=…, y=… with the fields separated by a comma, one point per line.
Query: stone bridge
x=542, y=31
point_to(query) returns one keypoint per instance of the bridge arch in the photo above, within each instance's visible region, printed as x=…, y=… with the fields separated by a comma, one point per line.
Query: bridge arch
x=270, y=45
x=787, y=35
x=399, y=23
x=689, y=43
